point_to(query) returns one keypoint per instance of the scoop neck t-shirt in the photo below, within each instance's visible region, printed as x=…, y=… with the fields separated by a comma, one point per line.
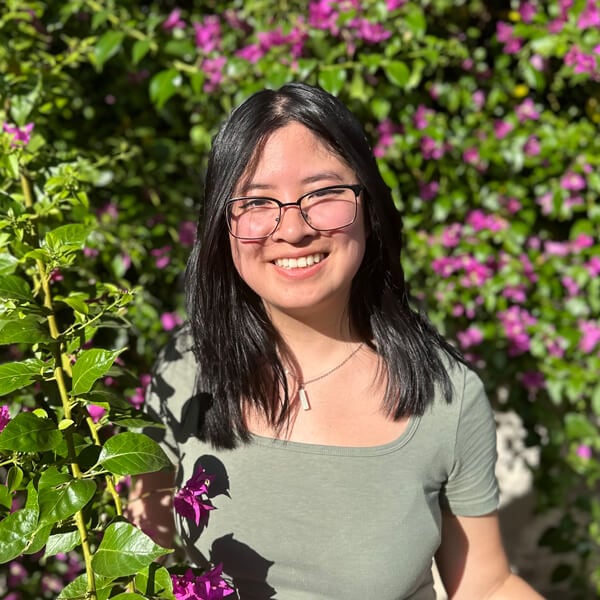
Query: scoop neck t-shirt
x=301, y=521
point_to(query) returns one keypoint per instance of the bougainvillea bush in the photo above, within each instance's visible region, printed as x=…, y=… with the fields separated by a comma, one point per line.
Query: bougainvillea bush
x=485, y=120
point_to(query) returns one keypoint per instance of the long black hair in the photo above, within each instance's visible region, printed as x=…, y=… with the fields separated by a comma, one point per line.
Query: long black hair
x=234, y=341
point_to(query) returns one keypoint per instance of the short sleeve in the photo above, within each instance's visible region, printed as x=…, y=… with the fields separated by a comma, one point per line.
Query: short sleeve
x=472, y=488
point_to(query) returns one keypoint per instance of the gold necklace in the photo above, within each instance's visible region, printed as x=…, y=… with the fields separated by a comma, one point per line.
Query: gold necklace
x=302, y=384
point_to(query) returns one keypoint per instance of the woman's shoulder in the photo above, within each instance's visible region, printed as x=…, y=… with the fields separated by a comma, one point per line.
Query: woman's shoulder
x=468, y=390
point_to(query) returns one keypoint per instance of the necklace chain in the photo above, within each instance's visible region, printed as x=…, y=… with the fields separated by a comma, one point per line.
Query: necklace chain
x=303, y=384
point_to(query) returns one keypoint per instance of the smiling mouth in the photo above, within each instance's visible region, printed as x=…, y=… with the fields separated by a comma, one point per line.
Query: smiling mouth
x=299, y=263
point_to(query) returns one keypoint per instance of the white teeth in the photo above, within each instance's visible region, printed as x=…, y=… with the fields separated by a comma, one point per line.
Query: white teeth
x=303, y=261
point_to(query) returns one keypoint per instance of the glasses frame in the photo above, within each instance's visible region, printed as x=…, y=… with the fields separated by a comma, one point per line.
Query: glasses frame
x=357, y=188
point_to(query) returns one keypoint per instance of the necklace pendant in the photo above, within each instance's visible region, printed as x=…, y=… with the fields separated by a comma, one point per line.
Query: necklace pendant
x=303, y=399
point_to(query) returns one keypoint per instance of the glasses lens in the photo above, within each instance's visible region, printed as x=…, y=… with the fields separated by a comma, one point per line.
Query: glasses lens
x=253, y=218
x=329, y=208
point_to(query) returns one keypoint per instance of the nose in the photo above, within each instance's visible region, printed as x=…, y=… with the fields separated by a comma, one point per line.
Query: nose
x=292, y=227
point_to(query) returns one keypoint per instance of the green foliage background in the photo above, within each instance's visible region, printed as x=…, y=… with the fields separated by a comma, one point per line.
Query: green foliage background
x=99, y=205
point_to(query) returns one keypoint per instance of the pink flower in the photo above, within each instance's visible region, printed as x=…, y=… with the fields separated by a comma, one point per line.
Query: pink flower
x=161, y=256
x=192, y=501
x=590, y=335
x=208, y=33
x=515, y=293
x=372, y=33
x=478, y=99
x=421, y=117
x=572, y=181
x=571, y=286
x=546, y=202
x=428, y=191
x=170, y=320
x=593, y=266
x=470, y=337
x=480, y=221
x=584, y=452
x=590, y=16
x=96, y=412
x=502, y=128
x=512, y=205
x=537, y=62
x=532, y=146
x=139, y=396
x=581, y=242
x=557, y=248
x=431, y=149
x=187, y=233
x=451, y=235
x=386, y=130
x=533, y=380
x=213, y=69
x=208, y=586
x=109, y=209
x=252, y=53
x=394, y=4
x=504, y=34
x=515, y=321
x=471, y=155
x=20, y=135
x=527, y=10
x=321, y=15
x=173, y=21
x=581, y=62
x=17, y=574
x=4, y=416
x=526, y=110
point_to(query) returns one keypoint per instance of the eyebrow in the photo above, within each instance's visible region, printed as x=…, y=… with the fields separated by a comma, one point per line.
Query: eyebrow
x=321, y=176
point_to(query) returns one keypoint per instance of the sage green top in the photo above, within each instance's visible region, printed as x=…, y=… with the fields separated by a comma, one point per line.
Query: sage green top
x=299, y=521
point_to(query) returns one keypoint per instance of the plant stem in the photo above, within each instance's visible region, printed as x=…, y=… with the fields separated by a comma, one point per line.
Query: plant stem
x=64, y=396
x=109, y=481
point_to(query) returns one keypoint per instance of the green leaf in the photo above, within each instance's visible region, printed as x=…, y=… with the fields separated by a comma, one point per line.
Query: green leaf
x=127, y=596
x=16, y=375
x=155, y=581
x=28, y=433
x=333, y=79
x=163, y=85
x=139, y=50
x=5, y=497
x=90, y=366
x=67, y=238
x=125, y=550
x=56, y=504
x=14, y=478
x=397, y=72
x=16, y=531
x=21, y=106
x=579, y=427
x=62, y=542
x=23, y=331
x=52, y=477
x=77, y=589
x=8, y=264
x=131, y=453
x=107, y=46
x=15, y=288
x=40, y=538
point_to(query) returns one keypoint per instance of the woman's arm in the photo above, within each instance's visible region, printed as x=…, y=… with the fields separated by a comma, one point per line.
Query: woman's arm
x=472, y=562
x=150, y=506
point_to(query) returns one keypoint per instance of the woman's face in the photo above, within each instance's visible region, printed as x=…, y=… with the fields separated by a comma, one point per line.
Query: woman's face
x=298, y=271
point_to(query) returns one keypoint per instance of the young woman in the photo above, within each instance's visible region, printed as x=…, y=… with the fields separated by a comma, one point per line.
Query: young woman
x=346, y=444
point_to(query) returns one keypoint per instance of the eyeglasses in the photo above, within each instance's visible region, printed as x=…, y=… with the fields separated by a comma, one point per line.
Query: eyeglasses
x=325, y=209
